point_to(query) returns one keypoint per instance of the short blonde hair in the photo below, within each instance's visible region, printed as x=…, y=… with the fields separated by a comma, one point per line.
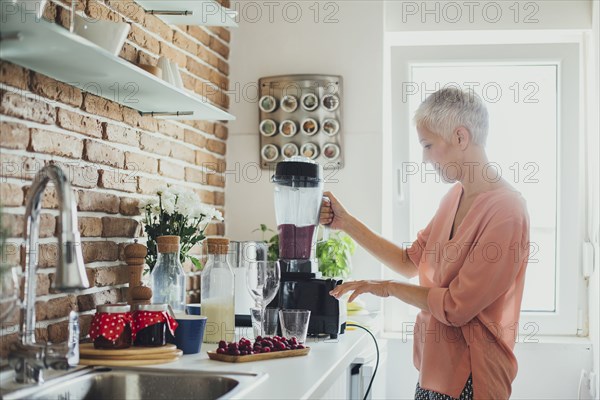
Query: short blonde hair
x=447, y=109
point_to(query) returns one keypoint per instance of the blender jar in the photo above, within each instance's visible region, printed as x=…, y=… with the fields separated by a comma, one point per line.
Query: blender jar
x=298, y=194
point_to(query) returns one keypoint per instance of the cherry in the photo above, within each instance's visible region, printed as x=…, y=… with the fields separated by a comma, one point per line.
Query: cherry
x=261, y=344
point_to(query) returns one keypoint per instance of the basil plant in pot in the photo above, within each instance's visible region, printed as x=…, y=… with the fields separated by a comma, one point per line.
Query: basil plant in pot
x=333, y=252
x=335, y=255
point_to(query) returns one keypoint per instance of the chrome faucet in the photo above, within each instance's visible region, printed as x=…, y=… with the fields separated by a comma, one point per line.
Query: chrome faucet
x=27, y=357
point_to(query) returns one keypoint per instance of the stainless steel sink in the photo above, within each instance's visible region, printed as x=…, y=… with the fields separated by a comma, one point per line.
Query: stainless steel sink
x=141, y=383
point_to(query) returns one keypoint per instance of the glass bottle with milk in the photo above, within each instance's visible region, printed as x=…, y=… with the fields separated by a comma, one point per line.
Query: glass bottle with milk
x=217, y=293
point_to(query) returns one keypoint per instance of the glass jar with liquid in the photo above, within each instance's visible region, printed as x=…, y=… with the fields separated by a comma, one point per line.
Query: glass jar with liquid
x=217, y=293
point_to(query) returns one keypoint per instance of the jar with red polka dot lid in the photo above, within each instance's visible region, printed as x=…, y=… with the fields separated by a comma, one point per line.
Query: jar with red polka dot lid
x=151, y=323
x=111, y=326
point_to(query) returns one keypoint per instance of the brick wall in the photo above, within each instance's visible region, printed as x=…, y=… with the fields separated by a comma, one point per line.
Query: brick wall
x=112, y=155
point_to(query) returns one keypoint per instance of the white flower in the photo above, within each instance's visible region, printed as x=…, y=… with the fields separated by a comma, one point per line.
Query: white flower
x=186, y=202
x=205, y=211
x=195, y=212
x=155, y=207
x=162, y=189
x=208, y=212
x=168, y=202
x=151, y=204
x=177, y=191
x=217, y=215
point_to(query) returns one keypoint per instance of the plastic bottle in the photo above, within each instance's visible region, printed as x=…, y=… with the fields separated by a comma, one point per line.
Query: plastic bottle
x=217, y=293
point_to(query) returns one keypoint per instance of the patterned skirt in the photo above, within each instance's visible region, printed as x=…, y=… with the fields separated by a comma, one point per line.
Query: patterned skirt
x=422, y=394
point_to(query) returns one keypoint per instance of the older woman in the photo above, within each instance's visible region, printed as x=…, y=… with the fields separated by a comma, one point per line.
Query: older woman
x=470, y=259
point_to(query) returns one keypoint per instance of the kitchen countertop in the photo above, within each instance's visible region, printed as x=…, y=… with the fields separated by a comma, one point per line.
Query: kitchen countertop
x=300, y=377
x=289, y=378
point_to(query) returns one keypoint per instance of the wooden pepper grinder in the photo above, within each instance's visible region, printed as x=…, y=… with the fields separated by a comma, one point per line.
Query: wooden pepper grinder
x=135, y=255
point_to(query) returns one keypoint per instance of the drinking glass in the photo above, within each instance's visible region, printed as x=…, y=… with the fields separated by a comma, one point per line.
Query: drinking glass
x=262, y=281
x=294, y=323
x=265, y=322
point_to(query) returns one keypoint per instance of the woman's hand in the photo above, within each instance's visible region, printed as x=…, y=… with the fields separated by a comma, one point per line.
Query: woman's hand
x=378, y=288
x=333, y=213
x=411, y=294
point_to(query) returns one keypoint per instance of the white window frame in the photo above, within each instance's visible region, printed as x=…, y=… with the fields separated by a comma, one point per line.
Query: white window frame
x=564, y=48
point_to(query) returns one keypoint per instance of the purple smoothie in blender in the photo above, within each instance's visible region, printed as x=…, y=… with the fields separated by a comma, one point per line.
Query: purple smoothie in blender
x=295, y=242
x=298, y=192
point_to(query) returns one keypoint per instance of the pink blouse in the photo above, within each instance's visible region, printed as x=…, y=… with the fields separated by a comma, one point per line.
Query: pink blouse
x=476, y=280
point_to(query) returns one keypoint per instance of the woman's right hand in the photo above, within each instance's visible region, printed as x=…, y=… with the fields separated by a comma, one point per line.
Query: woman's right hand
x=333, y=214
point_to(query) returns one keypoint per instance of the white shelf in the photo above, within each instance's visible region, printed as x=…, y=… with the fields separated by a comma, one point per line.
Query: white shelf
x=53, y=51
x=194, y=12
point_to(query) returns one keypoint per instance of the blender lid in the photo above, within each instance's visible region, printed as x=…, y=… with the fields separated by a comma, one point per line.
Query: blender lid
x=298, y=171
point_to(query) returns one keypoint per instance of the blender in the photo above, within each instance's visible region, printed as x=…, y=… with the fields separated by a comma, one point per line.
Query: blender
x=298, y=195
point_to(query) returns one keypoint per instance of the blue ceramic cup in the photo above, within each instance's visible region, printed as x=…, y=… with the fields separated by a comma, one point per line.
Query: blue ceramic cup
x=190, y=333
x=193, y=309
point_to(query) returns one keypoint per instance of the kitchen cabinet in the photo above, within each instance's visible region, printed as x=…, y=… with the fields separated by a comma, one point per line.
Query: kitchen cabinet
x=354, y=381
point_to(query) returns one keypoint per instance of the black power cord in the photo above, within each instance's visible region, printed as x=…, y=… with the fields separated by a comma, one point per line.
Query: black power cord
x=376, y=362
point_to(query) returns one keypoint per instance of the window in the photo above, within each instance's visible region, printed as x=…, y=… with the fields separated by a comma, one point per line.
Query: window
x=532, y=95
x=521, y=149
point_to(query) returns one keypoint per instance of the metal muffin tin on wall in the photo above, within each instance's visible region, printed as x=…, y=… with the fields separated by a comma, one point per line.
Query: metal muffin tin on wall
x=301, y=115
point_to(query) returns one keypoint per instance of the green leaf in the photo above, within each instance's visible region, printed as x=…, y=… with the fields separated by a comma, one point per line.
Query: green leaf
x=197, y=263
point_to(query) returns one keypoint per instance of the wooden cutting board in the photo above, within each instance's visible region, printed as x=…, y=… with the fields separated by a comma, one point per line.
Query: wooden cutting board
x=107, y=362
x=213, y=355
x=131, y=356
x=152, y=356
x=87, y=349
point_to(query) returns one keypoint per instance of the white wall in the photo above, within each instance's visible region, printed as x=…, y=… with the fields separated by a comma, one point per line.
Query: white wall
x=436, y=15
x=352, y=48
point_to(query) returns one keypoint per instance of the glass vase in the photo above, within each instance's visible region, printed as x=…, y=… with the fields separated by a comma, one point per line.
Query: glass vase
x=168, y=278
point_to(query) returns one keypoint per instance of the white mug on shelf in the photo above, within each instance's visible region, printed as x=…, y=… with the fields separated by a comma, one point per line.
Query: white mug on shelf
x=165, y=65
x=177, y=81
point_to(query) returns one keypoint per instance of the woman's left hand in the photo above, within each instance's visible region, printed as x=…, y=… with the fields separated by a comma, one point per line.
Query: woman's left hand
x=378, y=288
